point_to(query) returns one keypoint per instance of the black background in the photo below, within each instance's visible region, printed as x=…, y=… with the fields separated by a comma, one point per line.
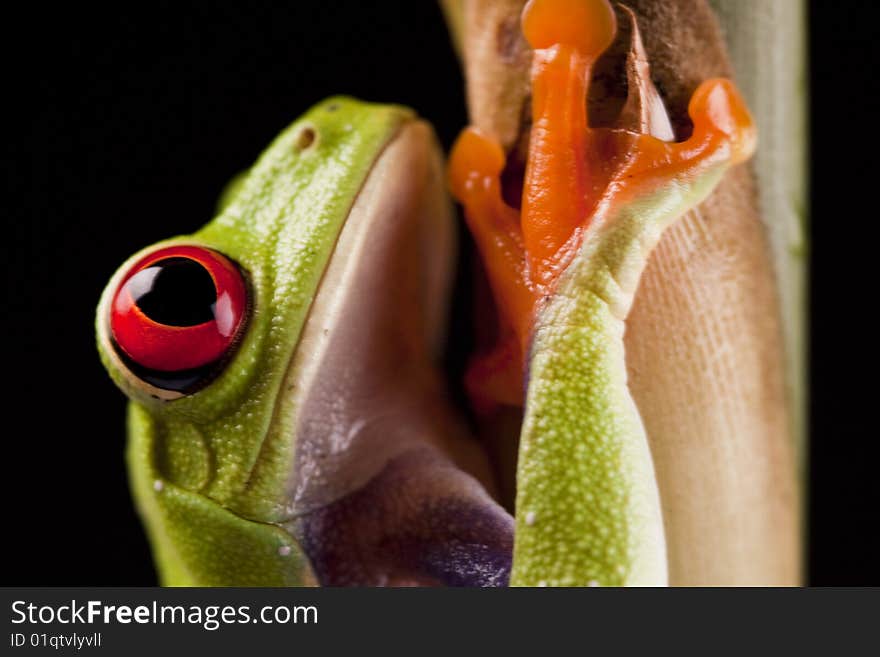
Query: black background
x=126, y=124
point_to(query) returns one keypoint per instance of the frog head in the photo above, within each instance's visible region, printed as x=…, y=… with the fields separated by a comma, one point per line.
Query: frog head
x=287, y=422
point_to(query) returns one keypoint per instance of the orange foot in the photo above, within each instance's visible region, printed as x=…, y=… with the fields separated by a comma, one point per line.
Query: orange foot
x=574, y=175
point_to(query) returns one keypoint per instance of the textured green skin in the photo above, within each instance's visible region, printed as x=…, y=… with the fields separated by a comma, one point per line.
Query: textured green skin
x=588, y=509
x=223, y=454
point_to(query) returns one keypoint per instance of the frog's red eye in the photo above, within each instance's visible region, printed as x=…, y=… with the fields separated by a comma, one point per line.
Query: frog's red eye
x=177, y=314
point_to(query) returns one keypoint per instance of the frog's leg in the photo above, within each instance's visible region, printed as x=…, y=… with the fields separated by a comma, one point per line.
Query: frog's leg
x=595, y=202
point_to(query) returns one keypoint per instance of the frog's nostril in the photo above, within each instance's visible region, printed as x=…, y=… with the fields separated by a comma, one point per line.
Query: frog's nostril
x=305, y=138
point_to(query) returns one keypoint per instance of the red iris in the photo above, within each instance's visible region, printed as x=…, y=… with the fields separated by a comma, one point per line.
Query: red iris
x=179, y=308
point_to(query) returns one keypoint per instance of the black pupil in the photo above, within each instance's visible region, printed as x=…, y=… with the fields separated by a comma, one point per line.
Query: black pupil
x=175, y=292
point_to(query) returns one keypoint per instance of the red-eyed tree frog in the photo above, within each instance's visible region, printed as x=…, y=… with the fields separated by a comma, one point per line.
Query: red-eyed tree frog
x=288, y=424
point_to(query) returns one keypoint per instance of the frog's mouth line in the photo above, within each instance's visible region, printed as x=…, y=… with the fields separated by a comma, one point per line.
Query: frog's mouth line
x=387, y=485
